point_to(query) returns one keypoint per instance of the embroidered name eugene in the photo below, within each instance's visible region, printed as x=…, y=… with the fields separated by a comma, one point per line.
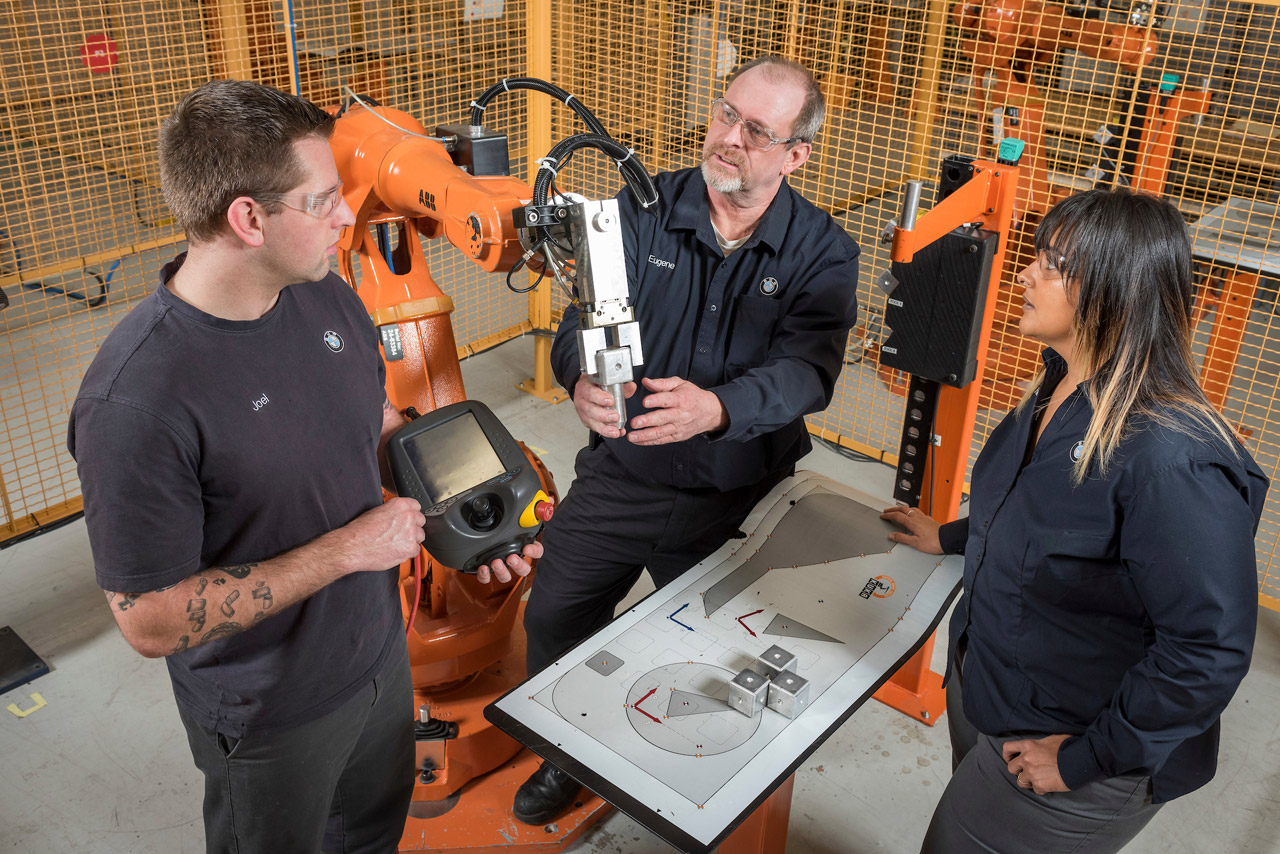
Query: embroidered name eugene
x=658, y=262
x=261, y=402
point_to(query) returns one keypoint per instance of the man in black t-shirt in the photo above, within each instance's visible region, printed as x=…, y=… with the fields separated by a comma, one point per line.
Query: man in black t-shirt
x=228, y=436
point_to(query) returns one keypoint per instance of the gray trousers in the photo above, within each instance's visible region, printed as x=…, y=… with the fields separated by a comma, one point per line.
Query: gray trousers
x=985, y=811
x=338, y=784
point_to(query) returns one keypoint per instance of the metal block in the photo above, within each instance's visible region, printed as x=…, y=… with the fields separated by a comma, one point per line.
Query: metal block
x=775, y=660
x=788, y=694
x=590, y=342
x=747, y=692
x=613, y=366
x=628, y=335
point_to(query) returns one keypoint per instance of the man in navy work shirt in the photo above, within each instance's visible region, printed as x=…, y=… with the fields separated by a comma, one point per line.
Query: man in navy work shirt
x=744, y=293
x=228, y=436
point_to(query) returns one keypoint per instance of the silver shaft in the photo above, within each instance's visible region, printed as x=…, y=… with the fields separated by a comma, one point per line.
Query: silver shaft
x=619, y=404
x=910, y=207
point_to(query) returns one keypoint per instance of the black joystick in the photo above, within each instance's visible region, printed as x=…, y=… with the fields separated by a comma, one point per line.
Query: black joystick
x=483, y=517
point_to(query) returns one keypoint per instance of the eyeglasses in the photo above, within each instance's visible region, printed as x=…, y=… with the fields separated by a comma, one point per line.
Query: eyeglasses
x=758, y=136
x=319, y=205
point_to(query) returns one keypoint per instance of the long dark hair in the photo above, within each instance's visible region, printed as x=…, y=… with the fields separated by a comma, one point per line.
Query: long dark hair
x=1125, y=259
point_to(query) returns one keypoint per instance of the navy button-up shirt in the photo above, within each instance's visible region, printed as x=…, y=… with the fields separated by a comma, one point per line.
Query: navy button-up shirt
x=1121, y=611
x=765, y=329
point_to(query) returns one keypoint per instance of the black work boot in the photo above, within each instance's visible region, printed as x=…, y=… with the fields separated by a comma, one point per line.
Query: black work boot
x=545, y=795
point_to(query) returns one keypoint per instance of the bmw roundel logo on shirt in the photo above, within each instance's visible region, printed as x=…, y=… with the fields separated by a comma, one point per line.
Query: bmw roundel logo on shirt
x=333, y=341
x=768, y=286
x=1077, y=451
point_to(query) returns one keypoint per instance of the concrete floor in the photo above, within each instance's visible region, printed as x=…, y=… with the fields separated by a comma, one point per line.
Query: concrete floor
x=104, y=766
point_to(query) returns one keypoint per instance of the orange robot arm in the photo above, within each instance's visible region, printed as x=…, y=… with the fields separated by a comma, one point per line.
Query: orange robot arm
x=400, y=174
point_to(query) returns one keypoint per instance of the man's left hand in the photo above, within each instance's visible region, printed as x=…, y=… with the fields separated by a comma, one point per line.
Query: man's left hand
x=502, y=571
x=680, y=410
x=1034, y=761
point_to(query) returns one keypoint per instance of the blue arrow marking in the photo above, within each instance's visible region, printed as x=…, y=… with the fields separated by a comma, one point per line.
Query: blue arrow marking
x=673, y=619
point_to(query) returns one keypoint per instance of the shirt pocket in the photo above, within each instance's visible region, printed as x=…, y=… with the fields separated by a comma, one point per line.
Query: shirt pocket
x=1065, y=565
x=754, y=322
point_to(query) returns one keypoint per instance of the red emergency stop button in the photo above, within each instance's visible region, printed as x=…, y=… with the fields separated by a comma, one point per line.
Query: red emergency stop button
x=543, y=511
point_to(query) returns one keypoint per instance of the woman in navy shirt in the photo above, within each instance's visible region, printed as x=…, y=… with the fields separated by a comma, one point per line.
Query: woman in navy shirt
x=1110, y=584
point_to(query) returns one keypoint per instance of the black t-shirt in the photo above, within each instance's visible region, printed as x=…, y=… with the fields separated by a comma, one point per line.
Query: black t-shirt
x=206, y=442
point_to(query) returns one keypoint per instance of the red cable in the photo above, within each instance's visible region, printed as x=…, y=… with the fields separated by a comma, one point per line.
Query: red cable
x=417, y=595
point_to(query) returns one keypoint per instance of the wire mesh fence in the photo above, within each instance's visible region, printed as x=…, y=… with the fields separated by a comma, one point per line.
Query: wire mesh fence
x=84, y=228
x=1174, y=98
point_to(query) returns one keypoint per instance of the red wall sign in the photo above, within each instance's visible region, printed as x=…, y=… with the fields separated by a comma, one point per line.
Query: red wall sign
x=99, y=53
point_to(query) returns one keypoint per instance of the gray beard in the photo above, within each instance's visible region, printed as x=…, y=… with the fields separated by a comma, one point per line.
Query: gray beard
x=721, y=183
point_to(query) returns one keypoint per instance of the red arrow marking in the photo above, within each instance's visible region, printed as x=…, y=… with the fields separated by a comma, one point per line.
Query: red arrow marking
x=744, y=616
x=642, y=711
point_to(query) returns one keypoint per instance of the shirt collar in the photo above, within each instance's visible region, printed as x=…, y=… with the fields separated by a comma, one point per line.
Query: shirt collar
x=692, y=212
x=1055, y=368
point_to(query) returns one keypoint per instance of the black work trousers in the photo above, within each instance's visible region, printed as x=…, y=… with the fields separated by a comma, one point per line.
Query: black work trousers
x=341, y=783
x=609, y=527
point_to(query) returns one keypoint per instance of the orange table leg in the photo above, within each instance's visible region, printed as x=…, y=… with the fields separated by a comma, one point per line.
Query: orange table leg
x=1227, y=335
x=765, y=830
x=915, y=690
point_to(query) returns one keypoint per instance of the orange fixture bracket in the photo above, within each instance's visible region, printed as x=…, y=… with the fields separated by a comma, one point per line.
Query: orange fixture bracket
x=946, y=263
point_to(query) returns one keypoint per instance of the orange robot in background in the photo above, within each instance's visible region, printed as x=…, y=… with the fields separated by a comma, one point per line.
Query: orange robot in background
x=1009, y=43
x=1010, y=39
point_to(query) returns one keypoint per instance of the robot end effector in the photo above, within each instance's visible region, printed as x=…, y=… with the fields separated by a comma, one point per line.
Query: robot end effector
x=391, y=166
x=608, y=336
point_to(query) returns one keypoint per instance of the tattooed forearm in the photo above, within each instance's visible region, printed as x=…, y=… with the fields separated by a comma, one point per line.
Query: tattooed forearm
x=209, y=605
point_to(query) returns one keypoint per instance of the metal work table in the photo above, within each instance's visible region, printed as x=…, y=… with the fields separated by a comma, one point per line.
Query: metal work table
x=642, y=713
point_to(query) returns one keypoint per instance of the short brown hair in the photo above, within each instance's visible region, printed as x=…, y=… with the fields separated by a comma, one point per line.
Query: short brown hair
x=809, y=121
x=232, y=138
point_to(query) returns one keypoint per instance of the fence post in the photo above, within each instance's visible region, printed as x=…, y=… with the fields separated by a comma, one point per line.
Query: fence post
x=538, y=35
x=227, y=23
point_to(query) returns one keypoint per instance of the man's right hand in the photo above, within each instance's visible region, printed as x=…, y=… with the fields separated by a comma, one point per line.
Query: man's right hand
x=386, y=536
x=594, y=405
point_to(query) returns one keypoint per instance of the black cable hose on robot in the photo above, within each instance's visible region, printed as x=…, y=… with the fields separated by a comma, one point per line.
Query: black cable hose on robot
x=513, y=83
x=636, y=176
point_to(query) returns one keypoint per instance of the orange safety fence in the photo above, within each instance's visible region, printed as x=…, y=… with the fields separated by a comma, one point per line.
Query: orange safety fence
x=1177, y=98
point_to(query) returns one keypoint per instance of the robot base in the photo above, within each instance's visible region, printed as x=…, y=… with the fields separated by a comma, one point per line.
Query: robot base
x=478, y=819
